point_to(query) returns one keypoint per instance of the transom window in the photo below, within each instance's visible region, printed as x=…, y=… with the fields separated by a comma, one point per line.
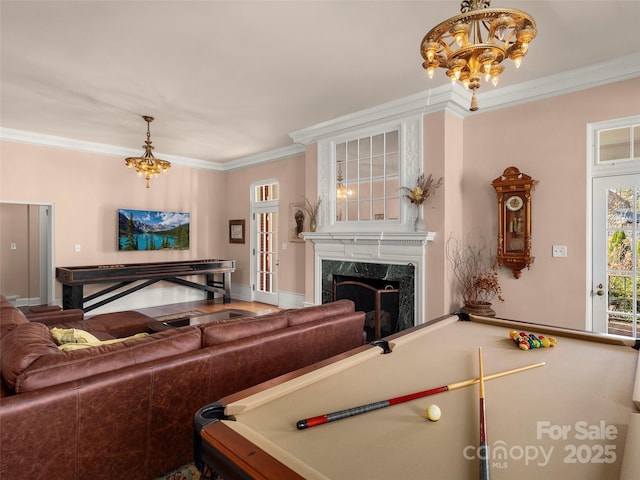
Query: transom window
x=266, y=192
x=367, y=178
x=618, y=144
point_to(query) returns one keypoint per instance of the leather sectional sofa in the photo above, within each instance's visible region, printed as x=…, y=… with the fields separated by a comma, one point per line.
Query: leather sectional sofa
x=125, y=409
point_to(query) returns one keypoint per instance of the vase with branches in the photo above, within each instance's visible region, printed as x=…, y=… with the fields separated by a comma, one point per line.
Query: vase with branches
x=312, y=210
x=423, y=189
x=476, y=272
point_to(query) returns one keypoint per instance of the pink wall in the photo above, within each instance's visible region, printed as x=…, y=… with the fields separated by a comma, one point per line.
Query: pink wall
x=443, y=157
x=290, y=174
x=547, y=140
x=87, y=190
x=311, y=189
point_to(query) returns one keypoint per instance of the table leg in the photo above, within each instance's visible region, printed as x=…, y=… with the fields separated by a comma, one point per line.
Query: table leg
x=72, y=296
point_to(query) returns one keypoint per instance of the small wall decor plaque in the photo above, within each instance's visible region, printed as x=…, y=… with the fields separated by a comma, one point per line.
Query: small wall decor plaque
x=236, y=231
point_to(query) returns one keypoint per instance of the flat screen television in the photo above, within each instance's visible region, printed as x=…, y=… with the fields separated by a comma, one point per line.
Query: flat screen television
x=152, y=230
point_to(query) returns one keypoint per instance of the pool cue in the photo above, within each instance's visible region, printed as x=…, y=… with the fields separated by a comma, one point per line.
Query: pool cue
x=483, y=451
x=351, y=412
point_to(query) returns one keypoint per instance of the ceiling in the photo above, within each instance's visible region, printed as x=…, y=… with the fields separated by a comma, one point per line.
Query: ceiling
x=230, y=79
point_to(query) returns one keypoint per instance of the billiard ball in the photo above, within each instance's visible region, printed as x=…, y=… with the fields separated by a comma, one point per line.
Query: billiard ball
x=433, y=412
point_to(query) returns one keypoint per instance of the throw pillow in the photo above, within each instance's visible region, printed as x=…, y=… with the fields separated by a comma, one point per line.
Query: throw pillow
x=68, y=347
x=72, y=335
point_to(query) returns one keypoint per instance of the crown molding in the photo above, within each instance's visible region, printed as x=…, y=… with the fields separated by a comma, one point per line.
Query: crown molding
x=592, y=76
x=21, y=136
x=264, y=157
x=455, y=99
x=426, y=102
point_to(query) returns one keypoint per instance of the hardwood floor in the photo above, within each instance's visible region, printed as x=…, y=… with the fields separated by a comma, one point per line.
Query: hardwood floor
x=208, y=306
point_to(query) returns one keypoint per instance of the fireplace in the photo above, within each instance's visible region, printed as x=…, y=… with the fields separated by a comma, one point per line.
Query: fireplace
x=379, y=276
x=398, y=257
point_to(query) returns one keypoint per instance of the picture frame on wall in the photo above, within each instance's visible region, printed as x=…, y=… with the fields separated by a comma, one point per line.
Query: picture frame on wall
x=236, y=231
x=297, y=220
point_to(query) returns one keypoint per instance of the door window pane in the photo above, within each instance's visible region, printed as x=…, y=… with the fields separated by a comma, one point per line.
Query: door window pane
x=265, y=243
x=622, y=259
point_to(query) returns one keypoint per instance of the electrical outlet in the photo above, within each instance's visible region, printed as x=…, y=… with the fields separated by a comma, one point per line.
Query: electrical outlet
x=76, y=248
x=559, y=251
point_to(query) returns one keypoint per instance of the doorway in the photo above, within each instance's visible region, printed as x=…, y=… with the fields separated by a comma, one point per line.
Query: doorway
x=615, y=226
x=264, y=242
x=616, y=270
x=26, y=256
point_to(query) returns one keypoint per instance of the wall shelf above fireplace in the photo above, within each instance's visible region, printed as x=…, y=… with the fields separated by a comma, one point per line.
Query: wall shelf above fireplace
x=388, y=238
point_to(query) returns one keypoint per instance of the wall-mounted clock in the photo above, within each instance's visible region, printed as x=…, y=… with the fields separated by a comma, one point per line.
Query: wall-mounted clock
x=513, y=190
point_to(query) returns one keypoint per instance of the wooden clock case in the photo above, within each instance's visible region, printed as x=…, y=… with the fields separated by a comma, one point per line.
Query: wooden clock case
x=513, y=190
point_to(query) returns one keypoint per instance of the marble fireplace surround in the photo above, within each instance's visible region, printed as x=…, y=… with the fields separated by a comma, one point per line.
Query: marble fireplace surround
x=393, y=255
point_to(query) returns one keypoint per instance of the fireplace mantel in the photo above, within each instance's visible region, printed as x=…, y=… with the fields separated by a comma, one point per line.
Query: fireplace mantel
x=402, y=248
x=382, y=238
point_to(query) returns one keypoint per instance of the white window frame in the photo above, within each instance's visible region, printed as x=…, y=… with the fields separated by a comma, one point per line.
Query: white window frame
x=596, y=169
x=409, y=166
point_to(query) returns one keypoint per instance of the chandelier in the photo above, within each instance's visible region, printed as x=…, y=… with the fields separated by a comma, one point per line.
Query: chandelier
x=474, y=44
x=147, y=165
x=342, y=192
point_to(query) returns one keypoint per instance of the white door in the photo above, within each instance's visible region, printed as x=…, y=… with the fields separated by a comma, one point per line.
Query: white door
x=615, y=254
x=264, y=241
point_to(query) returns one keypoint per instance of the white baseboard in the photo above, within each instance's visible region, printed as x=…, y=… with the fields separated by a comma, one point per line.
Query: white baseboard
x=241, y=292
x=285, y=299
x=290, y=300
x=22, y=301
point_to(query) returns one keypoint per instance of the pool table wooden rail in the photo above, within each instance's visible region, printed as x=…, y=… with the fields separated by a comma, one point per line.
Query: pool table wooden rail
x=228, y=445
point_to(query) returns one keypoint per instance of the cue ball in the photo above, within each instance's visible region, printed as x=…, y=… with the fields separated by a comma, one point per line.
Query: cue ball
x=433, y=412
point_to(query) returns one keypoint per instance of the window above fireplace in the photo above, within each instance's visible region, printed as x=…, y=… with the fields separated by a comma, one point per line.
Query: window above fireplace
x=360, y=172
x=367, y=178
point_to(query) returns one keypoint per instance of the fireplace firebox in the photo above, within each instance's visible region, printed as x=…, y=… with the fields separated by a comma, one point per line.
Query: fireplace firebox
x=398, y=276
x=379, y=299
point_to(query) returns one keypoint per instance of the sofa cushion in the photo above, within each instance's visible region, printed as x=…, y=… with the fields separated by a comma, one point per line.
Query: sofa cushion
x=310, y=314
x=21, y=347
x=55, y=317
x=10, y=316
x=112, y=325
x=216, y=333
x=86, y=362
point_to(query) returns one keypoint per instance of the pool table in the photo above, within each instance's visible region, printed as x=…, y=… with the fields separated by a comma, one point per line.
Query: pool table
x=575, y=417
